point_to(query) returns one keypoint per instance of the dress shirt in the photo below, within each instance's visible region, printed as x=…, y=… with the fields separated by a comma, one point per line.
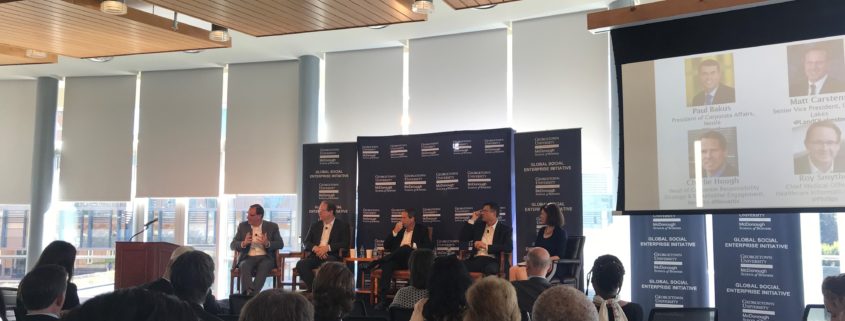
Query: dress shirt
x=487, y=238
x=327, y=231
x=256, y=249
x=818, y=86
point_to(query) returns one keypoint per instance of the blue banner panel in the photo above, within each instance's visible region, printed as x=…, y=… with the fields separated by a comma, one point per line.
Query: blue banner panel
x=669, y=261
x=328, y=174
x=758, y=267
x=446, y=176
x=548, y=170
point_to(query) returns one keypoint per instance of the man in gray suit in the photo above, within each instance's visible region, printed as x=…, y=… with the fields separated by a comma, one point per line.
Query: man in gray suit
x=257, y=241
x=537, y=264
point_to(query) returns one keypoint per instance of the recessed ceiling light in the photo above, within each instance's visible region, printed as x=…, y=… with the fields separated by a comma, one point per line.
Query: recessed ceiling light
x=101, y=59
x=113, y=7
x=192, y=51
x=485, y=7
x=218, y=33
x=36, y=54
x=377, y=27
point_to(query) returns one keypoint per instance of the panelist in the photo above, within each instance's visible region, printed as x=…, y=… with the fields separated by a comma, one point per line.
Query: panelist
x=551, y=237
x=712, y=90
x=816, y=79
x=325, y=239
x=822, y=143
x=257, y=241
x=490, y=239
x=407, y=235
x=713, y=156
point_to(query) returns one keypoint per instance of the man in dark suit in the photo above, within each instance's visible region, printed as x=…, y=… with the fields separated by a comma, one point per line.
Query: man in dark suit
x=490, y=239
x=42, y=291
x=164, y=285
x=537, y=264
x=816, y=80
x=324, y=240
x=712, y=91
x=407, y=235
x=823, y=141
x=257, y=241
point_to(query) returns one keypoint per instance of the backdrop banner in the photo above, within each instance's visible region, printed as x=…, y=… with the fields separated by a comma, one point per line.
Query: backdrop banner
x=669, y=261
x=548, y=170
x=445, y=176
x=758, y=267
x=328, y=174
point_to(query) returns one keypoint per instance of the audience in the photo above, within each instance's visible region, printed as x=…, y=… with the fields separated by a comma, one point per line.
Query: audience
x=420, y=265
x=563, y=303
x=163, y=284
x=133, y=304
x=492, y=298
x=192, y=275
x=63, y=254
x=42, y=291
x=447, y=286
x=333, y=292
x=277, y=305
x=833, y=290
x=607, y=275
x=537, y=265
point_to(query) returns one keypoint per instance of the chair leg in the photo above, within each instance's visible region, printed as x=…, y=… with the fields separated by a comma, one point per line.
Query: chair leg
x=293, y=283
x=232, y=284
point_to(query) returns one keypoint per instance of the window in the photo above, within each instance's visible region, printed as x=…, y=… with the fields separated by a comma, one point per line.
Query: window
x=13, y=220
x=202, y=222
x=165, y=211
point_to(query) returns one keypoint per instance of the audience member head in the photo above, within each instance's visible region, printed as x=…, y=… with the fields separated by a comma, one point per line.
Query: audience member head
x=277, y=305
x=833, y=290
x=42, y=290
x=60, y=253
x=447, y=286
x=563, y=303
x=326, y=211
x=176, y=253
x=255, y=215
x=192, y=275
x=550, y=215
x=492, y=298
x=133, y=304
x=607, y=275
x=419, y=265
x=333, y=291
x=537, y=262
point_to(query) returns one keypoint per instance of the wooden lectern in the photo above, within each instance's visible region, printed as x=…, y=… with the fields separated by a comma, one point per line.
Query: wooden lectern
x=137, y=263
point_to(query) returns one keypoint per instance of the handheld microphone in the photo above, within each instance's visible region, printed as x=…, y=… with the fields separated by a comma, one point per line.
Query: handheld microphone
x=151, y=222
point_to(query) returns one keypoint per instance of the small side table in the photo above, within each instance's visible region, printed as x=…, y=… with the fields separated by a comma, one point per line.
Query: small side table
x=362, y=275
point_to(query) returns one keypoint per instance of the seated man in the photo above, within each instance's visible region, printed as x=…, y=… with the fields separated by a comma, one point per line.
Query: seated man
x=490, y=239
x=192, y=275
x=257, y=241
x=43, y=292
x=407, y=236
x=325, y=238
x=537, y=265
x=163, y=284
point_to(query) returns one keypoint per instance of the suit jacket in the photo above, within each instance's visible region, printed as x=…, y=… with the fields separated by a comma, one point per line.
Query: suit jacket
x=420, y=237
x=338, y=238
x=729, y=171
x=527, y=291
x=802, y=87
x=39, y=317
x=202, y=314
x=164, y=286
x=802, y=165
x=501, y=236
x=267, y=227
x=724, y=95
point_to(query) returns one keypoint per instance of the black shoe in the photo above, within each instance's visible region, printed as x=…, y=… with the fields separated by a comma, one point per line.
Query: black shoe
x=381, y=306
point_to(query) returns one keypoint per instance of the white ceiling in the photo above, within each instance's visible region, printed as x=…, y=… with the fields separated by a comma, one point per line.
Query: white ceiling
x=246, y=48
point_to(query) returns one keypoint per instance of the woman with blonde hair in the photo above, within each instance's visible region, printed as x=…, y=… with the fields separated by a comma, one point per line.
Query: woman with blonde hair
x=492, y=298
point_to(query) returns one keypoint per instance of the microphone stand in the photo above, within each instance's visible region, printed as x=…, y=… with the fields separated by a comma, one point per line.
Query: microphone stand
x=146, y=226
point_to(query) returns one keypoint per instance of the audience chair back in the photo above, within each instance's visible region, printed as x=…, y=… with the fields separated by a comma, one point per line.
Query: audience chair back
x=815, y=312
x=400, y=314
x=9, y=300
x=683, y=314
x=571, y=263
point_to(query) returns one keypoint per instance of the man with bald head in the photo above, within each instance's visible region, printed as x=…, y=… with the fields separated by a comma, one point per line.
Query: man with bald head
x=537, y=265
x=563, y=303
x=816, y=79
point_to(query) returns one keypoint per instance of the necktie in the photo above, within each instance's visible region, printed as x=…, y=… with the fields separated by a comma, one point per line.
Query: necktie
x=709, y=99
x=812, y=89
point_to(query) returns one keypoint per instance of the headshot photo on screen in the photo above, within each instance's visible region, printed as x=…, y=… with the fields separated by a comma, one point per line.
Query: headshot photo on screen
x=718, y=152
x=819, y=154
x=816, y=68
x=710, y=80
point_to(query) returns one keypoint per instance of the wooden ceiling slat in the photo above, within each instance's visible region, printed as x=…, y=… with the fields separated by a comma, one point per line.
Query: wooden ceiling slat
x=317, y=15
x=393, y=15
x=403, y=8
x=362, y=18
x=295, y=14
x=466, y=4
x=374, y=14
x=11, y=55
x=351, y=19
x=256, y=17
x=338, y=18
